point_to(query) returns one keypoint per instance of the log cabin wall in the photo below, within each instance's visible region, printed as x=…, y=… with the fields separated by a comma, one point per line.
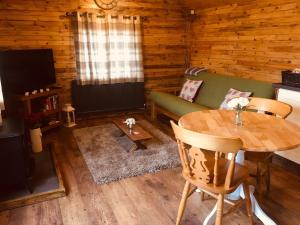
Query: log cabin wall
x=41, y=24
x=254, y=39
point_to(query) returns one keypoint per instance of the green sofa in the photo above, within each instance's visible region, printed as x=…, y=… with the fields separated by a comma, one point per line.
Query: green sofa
x=210, y=95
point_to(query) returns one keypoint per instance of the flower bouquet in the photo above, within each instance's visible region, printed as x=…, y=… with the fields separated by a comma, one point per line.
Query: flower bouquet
x=238, y=104
x=130, y=122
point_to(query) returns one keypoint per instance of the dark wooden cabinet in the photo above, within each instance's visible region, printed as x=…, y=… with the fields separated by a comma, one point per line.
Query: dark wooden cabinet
x=14, y=158
x=53, y=113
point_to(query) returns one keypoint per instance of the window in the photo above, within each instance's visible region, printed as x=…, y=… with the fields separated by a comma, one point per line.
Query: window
x=108, y=49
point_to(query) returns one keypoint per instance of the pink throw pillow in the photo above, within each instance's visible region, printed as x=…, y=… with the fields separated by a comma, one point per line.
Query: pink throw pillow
x=190, y=89
x=233, y=93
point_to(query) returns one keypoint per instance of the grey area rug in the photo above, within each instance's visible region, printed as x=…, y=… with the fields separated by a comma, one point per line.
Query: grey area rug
x=107, y=157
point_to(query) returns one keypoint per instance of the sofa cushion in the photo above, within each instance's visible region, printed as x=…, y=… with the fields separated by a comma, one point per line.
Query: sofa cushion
x=216, y=86
x=190, y=89
x=231, y=94
x=175, y=104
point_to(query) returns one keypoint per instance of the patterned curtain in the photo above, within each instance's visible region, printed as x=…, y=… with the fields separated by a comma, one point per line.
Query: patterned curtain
x=1, y=98
x=108, y=49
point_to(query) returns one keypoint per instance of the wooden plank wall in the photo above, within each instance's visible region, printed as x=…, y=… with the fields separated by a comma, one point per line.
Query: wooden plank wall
x=254, y=39
x=207, y=4
x=41, y=24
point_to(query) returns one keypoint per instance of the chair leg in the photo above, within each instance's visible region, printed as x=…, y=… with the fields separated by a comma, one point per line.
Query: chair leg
x=219, y=214
x=202, y=196
x=248, y=203
x=182, y=204
x=258, y=181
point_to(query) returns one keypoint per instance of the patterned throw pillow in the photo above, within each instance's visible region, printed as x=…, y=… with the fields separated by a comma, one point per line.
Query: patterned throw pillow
x=233, y=93
x=194, y=71
x=190, y=89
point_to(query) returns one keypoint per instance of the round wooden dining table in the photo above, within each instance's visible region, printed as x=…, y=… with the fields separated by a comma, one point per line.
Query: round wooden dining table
x=259, y=133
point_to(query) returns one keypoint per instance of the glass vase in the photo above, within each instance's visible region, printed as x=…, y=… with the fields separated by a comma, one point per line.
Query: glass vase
x=130, y=126
x=238, y=119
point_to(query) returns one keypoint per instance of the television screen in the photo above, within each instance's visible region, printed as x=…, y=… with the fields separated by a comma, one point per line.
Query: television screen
x=26, y=70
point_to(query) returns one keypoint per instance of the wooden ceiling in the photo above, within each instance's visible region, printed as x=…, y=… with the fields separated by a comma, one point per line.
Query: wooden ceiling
x=198, y=4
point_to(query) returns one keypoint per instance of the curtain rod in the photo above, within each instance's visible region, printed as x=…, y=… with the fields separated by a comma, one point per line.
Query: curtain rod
x=68, y=14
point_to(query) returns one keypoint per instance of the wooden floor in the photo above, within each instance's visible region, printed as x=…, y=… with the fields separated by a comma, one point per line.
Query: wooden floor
x=151, y=199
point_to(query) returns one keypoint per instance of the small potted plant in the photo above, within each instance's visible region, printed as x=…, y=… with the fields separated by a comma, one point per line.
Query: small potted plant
x=34, y=121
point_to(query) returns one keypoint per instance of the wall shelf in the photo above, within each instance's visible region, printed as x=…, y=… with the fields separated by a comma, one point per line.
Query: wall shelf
x=28, y=103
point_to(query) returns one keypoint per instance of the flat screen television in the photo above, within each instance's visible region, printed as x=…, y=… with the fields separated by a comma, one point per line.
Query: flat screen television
x=26, y=70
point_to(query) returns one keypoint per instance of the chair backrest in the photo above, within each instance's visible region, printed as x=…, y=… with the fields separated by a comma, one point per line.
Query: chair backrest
x=201, y=156
x=274, y=107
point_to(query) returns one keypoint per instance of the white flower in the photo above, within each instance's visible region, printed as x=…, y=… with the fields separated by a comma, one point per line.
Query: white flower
x=243, y=101
x=240, y=102
x=233, y=103
x=130, y=121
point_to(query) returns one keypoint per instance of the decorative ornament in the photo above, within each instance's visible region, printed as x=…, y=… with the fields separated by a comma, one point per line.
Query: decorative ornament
x=69, y=112
x=106, y=4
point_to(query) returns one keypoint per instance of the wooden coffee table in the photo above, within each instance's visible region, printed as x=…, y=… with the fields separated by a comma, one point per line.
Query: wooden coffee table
x=136, y=135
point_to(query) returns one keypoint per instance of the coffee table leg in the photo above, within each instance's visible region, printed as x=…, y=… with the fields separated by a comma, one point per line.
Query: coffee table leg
x=141, y=145
x=133, y=148
x=137, y=145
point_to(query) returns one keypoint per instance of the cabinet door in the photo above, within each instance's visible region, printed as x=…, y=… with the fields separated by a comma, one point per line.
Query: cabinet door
x=292, y=98
x=12, y=162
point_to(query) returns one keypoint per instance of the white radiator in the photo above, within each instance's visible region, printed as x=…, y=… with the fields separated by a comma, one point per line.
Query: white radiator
x=292, y=98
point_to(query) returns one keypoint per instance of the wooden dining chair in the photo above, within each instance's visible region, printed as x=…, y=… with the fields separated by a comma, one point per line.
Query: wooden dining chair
x=205, y=168
x=270, y=106
x=262, y=159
